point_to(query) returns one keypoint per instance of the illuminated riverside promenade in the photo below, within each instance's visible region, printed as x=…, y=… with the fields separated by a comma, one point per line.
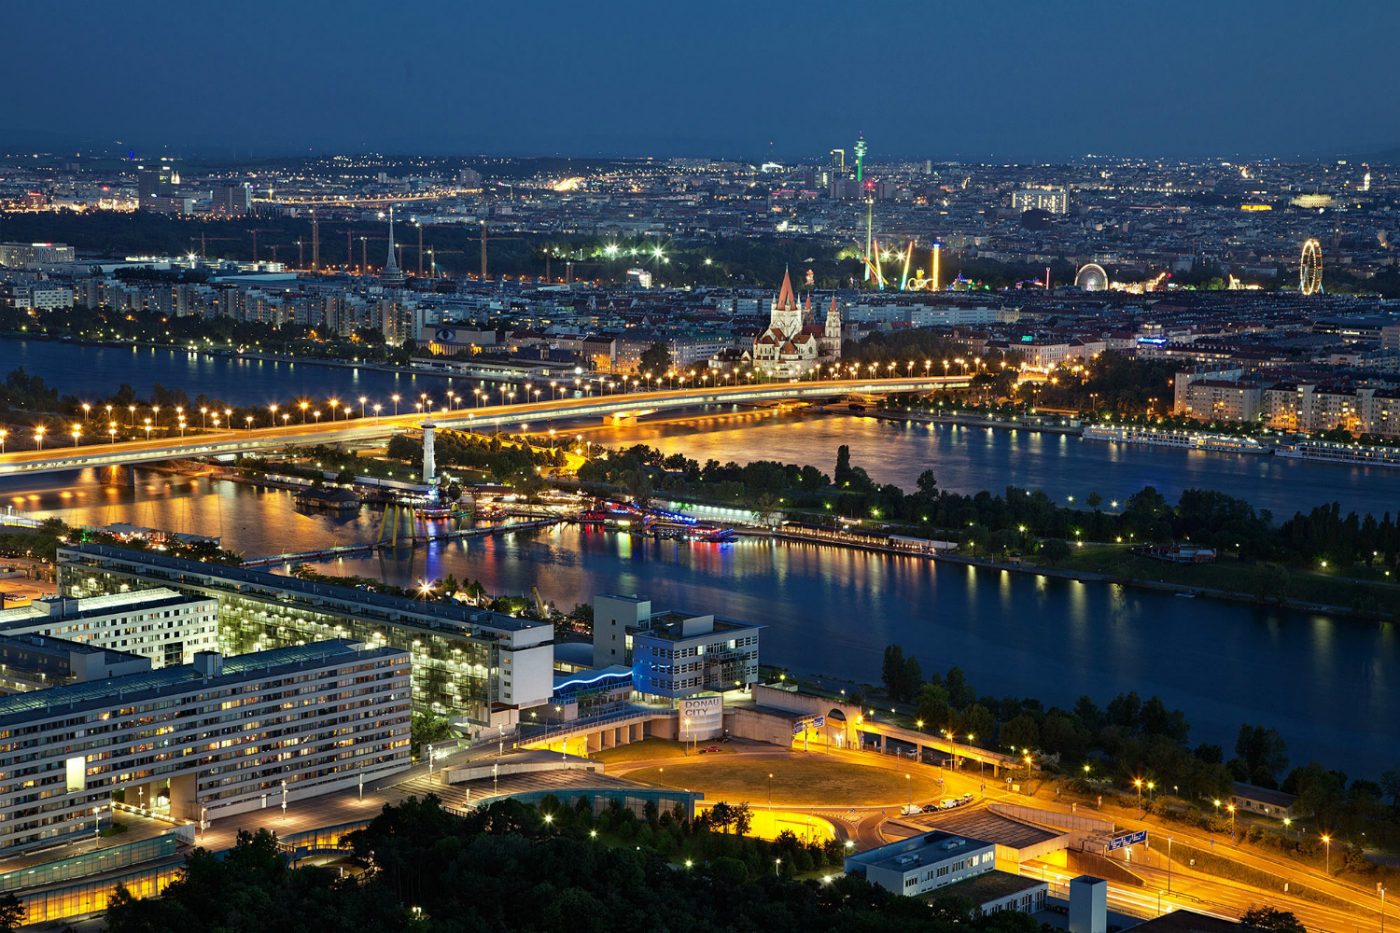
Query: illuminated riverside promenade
x=518, y=416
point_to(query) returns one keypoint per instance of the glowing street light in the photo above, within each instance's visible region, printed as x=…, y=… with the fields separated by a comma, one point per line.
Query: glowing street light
x=76, y=431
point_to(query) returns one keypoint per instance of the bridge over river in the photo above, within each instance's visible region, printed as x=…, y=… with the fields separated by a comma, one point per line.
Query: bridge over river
x=523, y=416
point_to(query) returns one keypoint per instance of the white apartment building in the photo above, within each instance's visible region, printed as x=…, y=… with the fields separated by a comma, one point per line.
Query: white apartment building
x=923, y=863
x=202, y=740
x=158, y=623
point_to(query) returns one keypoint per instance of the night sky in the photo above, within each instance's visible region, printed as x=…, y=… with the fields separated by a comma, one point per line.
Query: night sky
x=1011, y=80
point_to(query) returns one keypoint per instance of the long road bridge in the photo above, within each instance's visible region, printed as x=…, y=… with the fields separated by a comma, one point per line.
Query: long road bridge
x=518, y=417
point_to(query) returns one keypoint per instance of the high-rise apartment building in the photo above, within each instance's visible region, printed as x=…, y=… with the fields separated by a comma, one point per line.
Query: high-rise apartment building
x=1050, y=200
x=158, y=623
x=202, y=740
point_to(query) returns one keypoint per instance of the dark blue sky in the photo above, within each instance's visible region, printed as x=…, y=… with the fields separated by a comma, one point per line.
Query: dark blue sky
x=1022, y=79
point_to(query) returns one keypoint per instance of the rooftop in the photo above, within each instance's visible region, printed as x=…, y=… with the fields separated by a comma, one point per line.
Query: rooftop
x=65, y=608
x=1187, y=921
x=1267, y=795
x=929, y=848
x=992, y=827
x=24, y=707
x=988, y=886
x=433, y=614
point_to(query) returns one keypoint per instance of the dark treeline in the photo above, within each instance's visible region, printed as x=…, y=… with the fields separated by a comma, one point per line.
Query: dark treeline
x=506, y=867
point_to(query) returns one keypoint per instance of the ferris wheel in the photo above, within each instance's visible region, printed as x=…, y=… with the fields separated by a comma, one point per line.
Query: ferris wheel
x=1310, y=268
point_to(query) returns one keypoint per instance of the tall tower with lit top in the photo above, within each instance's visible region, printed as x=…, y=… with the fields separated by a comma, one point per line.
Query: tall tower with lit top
x=392, y=276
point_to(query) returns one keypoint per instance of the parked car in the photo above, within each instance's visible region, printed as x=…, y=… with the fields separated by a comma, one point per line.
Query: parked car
x=909, y=810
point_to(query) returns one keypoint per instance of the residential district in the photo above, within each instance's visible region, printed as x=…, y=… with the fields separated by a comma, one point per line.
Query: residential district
x=156, y=704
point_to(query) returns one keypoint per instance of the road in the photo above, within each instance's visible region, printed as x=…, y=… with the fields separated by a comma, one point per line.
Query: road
x=872, y=823
x=526, y=415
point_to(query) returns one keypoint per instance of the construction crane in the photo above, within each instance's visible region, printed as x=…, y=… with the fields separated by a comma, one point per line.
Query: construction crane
x=483, y=247
x=255, y=231
x=204, y=243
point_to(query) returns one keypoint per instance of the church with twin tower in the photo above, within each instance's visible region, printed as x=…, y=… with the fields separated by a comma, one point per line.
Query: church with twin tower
x=794, y=344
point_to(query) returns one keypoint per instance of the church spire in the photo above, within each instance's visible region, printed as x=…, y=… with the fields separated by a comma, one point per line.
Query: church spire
x=391, y=276
x=786, y=297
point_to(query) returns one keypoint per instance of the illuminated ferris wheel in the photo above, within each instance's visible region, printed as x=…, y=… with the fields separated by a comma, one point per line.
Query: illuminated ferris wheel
x=1310, y=268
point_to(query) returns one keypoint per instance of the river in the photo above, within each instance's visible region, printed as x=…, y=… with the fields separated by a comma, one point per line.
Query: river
x=964, y=459
x=1332, y=686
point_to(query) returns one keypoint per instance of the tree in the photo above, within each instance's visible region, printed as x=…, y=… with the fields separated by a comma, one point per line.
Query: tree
x=11, y=914
x=1262, y=753
x=1021, y=732
x=1272, y=919
x=1390, y=784
x=892, y=671
x=656, y=359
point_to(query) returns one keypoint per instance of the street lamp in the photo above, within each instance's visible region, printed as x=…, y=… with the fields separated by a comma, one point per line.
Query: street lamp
x=1169, y=864
x=39, y=436
x=76, y=431
x=362, y=405
x=909, y=788
x=395, y=399
x=1327, y=844
x=1137, y=782
x=1230, y=808
x=86, y=408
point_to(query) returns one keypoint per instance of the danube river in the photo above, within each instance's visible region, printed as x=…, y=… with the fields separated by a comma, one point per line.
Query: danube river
x=1332, y=686
x=964, y=459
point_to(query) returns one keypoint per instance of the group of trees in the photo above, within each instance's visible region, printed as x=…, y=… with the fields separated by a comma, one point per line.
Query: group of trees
x=515, y=463
x=1114, y=382
x=1019, y=520
x=506, y=867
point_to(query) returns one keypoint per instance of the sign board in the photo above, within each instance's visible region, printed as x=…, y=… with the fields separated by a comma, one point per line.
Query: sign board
x=819, y=722
x=701, y=718
x=1128, y=839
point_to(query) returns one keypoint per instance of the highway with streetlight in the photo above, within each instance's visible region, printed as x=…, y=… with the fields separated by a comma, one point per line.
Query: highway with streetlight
x=343, y=427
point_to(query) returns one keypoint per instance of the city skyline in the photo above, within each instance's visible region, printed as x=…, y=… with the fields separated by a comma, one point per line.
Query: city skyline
x=543, y=80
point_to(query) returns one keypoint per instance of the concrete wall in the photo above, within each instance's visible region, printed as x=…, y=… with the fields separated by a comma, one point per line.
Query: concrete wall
x=758, y=726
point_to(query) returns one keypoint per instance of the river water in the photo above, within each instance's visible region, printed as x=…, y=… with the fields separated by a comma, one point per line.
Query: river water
x=1332, y=686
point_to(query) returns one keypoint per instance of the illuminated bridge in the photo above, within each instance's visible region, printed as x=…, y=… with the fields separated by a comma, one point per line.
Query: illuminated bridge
x=524, y=416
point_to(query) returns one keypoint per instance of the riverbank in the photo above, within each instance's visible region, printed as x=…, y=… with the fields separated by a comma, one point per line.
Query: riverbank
x=1072, y=427
x=1093, y=568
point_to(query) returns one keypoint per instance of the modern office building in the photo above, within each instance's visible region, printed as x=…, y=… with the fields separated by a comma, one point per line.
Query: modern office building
x=673, y=654
x=202, y=740
x=478, y=666
x=923, y=863
x=157, y=623
x=1050, y=200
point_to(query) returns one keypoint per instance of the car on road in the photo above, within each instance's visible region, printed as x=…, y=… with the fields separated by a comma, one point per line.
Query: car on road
x=909, y=810
x=930, y=808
